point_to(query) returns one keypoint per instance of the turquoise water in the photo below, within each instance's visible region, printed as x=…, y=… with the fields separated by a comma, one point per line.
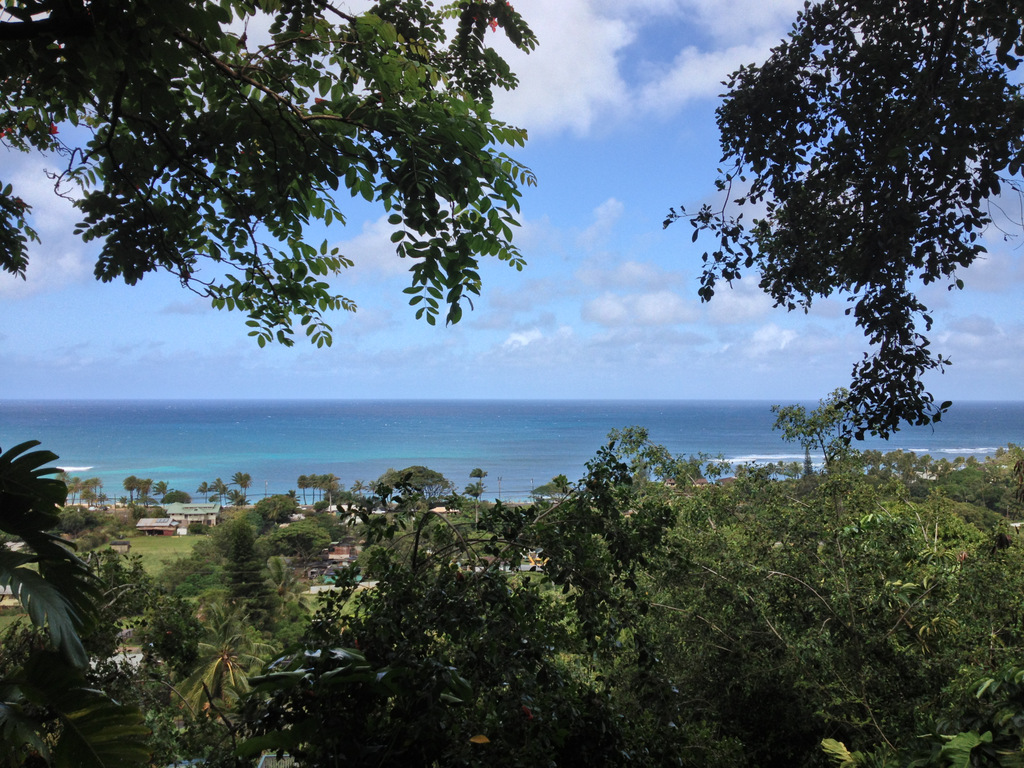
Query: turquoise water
x=519, y=444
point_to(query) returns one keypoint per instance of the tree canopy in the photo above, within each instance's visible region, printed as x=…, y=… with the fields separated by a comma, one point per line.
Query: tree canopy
x=196, y=143
x=868, y=148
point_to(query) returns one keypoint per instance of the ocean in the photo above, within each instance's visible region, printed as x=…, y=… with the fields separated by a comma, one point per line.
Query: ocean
x=520, y=444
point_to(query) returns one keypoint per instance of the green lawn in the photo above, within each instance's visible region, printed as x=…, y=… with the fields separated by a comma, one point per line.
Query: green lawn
x=156, y=549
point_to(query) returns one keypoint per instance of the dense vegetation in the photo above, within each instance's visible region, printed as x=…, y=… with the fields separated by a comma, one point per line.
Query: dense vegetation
x=785, y=617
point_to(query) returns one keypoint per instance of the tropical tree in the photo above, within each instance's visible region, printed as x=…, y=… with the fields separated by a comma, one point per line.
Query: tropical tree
x=160, y=489
x=329, y=486
x=246, y=586
x=243, y=480
x=558, y=488
x=277, y=508
x=143, y=486
x=92, y=490
x=204, y=489
x=303, y=483
x=281, y=577
x=476, y=488
x=219, y=489
x=303, y=540
x=131, y=484
x=228, y=652
x=827, y=429
x=208, y=143
x=74, y=485
x=416, y=480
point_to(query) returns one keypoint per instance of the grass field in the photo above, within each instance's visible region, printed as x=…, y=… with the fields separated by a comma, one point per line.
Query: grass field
x=155, y=550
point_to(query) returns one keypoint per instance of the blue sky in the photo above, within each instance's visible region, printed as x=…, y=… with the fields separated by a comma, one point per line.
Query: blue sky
x=619, y=102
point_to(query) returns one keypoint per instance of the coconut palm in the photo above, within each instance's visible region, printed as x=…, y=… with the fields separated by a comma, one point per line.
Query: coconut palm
x=476, y=489
x=281, y=577
x=131, y=484
x=329, y=486
x=160, y=489
x=143, y=486
x=204, y=489
x=219, y=488
x=242, y=479
x=229, y=651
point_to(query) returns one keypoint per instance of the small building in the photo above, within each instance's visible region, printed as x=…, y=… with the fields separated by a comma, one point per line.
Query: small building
x=7, y=598
x=344, y=551
x=121, y=546
x=186, y=514
x=157, y=526
x=442, y=510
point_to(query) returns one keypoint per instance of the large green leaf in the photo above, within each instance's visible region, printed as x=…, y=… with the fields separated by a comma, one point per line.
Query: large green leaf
x=95, y=731
x=53, y=583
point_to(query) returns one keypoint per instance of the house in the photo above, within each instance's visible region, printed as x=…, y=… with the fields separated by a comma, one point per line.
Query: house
x=186, y=514
x=157, y=526
x=344, y=551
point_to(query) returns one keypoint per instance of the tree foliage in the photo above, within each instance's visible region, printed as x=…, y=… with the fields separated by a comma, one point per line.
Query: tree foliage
x=49, y=710
x=868, y=147
x=195, y=144
x=415, y=481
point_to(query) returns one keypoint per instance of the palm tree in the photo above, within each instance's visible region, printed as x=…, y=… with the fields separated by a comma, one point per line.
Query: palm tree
x=476, y=490
x=329, y=485
x=160, y=489
x=204, y=488
x=75, y=486
x=229, y=651
x=90, y=489
x=219, y=489
x=143, y=486
x=303, y=483
x=281, y=577
x=243, y=480
x=131, y=484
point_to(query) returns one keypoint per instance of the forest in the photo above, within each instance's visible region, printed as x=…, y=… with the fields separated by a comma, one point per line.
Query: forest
x=865, y=612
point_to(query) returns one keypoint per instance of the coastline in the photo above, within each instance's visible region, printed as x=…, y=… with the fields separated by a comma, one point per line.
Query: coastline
x=519, y=443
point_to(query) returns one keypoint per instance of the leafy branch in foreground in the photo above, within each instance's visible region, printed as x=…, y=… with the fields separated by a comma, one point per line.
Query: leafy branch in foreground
x=868, y=147
x=196, y=144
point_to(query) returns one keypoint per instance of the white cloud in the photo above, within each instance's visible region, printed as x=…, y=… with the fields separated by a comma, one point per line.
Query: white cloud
x=572, y=77
x=627, y=274
x=643, y=309
x=372, y=251
x=769, y=339
x=605, y=217
x=740, y=303
x=594, y=64
x=60, y=259
x=998, y=271
x=695, y=74
x=728, y=20
x=522, y=339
